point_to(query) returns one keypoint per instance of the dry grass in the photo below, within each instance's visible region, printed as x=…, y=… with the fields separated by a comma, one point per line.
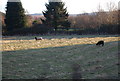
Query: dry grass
x=11, y=44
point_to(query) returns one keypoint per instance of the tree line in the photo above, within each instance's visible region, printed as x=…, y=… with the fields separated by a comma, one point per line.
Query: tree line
x=56, y=20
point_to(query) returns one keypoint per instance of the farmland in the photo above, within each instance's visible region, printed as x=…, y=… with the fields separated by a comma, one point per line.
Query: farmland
x=55, y=57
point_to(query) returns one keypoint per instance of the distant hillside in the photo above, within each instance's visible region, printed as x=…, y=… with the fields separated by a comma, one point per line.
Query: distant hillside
x=40, y=14
x=36, y=15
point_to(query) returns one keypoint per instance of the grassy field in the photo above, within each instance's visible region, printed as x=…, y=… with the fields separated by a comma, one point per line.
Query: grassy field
x=60, y=57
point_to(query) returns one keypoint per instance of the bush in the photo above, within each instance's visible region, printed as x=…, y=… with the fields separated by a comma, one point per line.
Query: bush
x=108, y=29
x=36, y=29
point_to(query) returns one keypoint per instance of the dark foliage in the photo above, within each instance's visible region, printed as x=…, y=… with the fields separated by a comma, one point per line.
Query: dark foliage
x=56, y=15
x=36, y=29
x=108, y=29
x=15, y=17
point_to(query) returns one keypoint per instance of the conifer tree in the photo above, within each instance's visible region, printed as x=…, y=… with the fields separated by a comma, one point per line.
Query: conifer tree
x=15, y=15
x=56, y=15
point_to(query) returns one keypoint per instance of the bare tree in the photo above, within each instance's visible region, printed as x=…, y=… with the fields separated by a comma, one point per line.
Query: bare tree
x=101, y=16
x=111, y=6
x=112, y=14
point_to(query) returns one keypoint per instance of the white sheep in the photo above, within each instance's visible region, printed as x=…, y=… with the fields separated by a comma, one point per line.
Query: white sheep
x=38, y=38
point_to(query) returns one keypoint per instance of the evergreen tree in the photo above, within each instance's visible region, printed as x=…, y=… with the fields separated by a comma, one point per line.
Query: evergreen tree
x=56, y=15
x=15, y=17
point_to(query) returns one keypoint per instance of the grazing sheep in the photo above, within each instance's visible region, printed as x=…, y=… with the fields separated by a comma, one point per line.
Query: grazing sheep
x=40, y=38
x=100, y=43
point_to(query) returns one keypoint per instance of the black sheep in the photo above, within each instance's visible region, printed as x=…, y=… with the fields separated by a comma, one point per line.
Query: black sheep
x=100, y=43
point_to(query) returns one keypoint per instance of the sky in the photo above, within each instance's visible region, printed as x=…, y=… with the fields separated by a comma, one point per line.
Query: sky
x=73, y=6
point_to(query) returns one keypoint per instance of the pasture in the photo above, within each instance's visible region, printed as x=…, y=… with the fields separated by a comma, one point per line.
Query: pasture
x=60, y=57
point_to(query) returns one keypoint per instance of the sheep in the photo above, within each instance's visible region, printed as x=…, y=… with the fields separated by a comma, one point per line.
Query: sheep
x=100, y=43
x=40, y=38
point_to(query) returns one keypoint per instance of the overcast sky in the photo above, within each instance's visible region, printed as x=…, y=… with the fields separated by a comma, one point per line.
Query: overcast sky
x=73, y=6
